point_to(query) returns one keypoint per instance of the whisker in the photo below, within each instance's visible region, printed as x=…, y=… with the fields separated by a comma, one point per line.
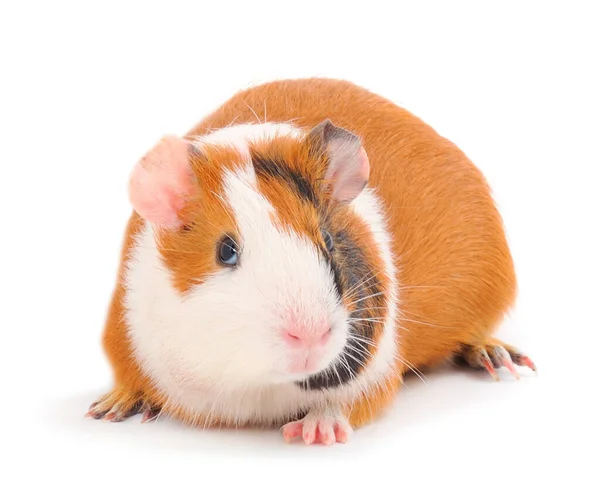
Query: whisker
x=403, y=288
x=425, y=323
x=354, y=358
x=361, y=352
x=362, y=342
x=253, y=112
x=365, y=321
x=290, y=121
x=334, y=366
x=363, y=281
x=402, y=359
x=369, y=308
x=414, y=369
x=418, y=315
x=233, y=120
x=367, y=297
x=342, y=360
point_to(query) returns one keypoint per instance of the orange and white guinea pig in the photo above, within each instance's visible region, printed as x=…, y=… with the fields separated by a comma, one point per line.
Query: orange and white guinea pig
x=293, y=256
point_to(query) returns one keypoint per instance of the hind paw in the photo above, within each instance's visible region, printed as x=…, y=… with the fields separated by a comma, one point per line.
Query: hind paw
x=493, y=355
x=119, y=405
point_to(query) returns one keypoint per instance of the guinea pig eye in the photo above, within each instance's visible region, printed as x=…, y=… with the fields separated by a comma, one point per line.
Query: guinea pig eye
x=228, y=252
x=328, y=240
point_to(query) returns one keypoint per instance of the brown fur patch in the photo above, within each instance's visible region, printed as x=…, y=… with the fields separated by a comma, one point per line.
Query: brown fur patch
x=191, y=252
x=293, y=159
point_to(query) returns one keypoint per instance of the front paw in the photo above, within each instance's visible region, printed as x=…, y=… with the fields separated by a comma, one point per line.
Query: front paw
x=323, y=426
x=120, y=404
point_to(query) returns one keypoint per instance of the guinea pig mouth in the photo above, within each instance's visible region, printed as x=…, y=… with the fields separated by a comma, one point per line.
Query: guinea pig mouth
x=342, y=370
x=303, y=366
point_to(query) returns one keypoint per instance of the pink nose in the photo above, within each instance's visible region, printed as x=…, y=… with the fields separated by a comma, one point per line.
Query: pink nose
x=304, y=338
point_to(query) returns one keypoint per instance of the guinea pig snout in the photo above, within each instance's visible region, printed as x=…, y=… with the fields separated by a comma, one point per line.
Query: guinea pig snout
x=306, y=345
x=300, y=337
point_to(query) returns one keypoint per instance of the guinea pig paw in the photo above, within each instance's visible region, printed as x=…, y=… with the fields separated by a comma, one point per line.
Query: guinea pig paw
x=319, y=428
x=117, y=406
x=493, y=354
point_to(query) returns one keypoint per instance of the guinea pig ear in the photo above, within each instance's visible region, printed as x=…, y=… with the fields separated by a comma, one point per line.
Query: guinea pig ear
x=162, y=182
x=348, y=169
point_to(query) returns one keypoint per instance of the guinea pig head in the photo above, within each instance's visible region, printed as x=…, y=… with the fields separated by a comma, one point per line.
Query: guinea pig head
x=249, y=268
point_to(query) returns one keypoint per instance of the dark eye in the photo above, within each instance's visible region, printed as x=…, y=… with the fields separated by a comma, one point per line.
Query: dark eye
x=228, y=252
x=328, y=240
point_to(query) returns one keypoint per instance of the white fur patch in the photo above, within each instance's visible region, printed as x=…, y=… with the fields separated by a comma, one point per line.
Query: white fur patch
x=218, y=351
x=368, y=207
x=239, y=136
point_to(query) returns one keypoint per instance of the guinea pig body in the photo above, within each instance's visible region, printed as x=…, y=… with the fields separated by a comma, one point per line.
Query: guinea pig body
x=293, y=256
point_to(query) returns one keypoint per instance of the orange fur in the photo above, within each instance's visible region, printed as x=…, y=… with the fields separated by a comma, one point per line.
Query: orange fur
x=455, y=270
x=292, y=211
x=190, y=252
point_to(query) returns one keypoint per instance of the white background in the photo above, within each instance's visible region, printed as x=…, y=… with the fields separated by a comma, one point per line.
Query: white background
x=87, y=87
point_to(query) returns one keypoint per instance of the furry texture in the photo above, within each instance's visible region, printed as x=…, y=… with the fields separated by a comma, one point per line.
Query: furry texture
x=439, y=272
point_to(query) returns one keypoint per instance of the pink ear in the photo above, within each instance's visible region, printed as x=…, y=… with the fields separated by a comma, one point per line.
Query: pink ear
x=161, y=182
x=348, y=169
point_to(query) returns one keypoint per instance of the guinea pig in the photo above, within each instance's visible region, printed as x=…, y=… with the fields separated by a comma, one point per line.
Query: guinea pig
x=293, y=256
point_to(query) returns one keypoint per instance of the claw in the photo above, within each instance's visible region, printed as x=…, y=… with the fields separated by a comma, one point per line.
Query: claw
x=528, y=362
x=292, y=430
x=309, y=435
x=511, y=367
x=90, y=412
x=522, y=360
x=488, y=365
x=95, y=414
x=505, y=360
x=150, y=414
x=341, y=434
x=326, y=433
